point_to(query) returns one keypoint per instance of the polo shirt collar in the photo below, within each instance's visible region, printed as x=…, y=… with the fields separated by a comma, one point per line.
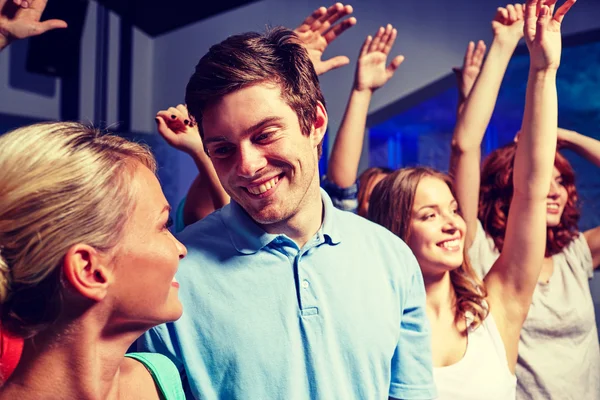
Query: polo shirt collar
x=248, y=238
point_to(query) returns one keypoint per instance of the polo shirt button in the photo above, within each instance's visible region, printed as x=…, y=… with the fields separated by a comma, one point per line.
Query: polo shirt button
x=305, y=284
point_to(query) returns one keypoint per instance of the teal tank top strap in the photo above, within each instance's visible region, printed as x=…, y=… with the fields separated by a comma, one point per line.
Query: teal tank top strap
x=164, y=372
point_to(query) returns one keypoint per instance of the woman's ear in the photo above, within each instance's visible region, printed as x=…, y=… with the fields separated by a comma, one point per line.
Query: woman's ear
x=87, y=272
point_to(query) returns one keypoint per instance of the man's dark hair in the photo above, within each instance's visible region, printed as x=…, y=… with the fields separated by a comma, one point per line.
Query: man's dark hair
x=276, y=56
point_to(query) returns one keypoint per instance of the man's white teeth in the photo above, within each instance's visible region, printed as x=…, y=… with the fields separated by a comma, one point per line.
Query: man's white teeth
x=264, y=187
x=553, y=207
x=450, y=244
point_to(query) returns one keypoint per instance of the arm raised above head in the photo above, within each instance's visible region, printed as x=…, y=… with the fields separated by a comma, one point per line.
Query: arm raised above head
x=513, y=278
x=372, y=72
x=477, y=111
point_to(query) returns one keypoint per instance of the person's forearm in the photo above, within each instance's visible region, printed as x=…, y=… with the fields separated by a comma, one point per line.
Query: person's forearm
x=479, y=106
x=537, y=143
x=587, y=147
x=209, y=177
x=347, y=147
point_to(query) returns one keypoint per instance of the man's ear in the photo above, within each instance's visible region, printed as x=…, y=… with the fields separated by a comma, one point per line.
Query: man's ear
x=320, y=124
x=87, y=272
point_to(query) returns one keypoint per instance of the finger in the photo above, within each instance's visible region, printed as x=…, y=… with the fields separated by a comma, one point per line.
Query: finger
x=375, y=43
x=42, y=27
x=512, y=13
x=365, y=47
x=184, y=112
x=469, y=53
x=479, y=53
x=542, y=23
x=340, y=13
x=385, y=37
x=519, y=11
x=334, y=63
x=306, y=24
x=163, y=128
x=390, y=42
x=338, y=29
x=394, y=65
x=17, y=2
x=562, y=10
x=503, y=14
x=331, y=11
x=550, y=4
x=531, y=13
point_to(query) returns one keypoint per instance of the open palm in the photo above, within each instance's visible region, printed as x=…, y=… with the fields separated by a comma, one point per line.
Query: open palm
x=542, y=32
x=371, y=70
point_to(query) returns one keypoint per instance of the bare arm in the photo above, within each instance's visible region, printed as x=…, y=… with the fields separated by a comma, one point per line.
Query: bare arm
x=479, y=106
x=468, y=73
x=588, y=148
x=585, y=146
x=513, y=278
x=21, y=19
x=206, y=194
x=371, y=74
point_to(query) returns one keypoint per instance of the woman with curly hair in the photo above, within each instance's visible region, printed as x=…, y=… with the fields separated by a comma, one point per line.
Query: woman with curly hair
x=476, y=325
x=559, y=356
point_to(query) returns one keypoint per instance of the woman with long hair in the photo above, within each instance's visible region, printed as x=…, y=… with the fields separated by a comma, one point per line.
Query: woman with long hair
x=476, y=325
x=559, y=355
x=87, y=264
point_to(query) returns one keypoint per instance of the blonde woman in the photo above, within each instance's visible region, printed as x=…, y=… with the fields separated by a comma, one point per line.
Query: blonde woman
x=476, y=326
x=87, y=264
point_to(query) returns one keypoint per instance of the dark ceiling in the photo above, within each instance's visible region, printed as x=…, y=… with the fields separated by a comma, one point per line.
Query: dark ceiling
x=156, y=17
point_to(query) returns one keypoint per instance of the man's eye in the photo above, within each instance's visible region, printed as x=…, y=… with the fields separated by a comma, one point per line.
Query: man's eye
x=262, y=136
x=224, y=150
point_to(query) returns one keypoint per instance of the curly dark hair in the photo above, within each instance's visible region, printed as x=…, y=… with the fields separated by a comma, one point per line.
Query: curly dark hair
x=496, y=193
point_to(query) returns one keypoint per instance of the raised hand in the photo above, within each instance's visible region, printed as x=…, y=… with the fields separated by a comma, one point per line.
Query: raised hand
x=321, y=28
x=468, y=73
x=20, y=19
x=176, y=127
x=542, y=32
x=508, y=23
x=371, y=71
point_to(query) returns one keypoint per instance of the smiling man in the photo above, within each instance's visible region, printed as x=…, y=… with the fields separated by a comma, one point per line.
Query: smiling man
x=285, y=296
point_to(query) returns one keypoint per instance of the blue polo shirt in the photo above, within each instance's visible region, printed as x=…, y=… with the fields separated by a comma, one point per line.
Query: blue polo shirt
x=341, y=318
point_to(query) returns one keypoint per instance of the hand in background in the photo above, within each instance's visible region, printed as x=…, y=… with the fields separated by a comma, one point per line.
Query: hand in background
x=371, y=70
x=468, y=73
x=508, y=23
x=319, y=29
x=20, y=19
x=542, y=32
x=176, y=127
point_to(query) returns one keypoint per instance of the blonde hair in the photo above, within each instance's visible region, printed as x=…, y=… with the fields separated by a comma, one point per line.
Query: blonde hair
x=61, y=184
x=391, y=206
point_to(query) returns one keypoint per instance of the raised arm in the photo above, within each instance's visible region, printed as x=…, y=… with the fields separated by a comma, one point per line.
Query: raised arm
x=20, y=19
x=475, y=117
x=588, y=148
x=512, y=279
x=206, y=193
x=322, y=27
x=371, y=74
x=468, y=73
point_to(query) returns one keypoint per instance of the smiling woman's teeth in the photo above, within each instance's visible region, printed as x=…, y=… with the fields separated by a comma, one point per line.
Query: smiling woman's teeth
x=552, y=206
x=264, y=187
x=450, y=243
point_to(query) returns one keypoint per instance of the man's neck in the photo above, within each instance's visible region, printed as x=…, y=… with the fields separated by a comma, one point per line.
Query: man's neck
x=304, y=224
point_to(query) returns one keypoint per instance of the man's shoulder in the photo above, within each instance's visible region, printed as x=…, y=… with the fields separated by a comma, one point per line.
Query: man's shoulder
x=210, y=227
x=369, y=232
